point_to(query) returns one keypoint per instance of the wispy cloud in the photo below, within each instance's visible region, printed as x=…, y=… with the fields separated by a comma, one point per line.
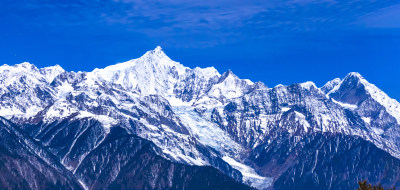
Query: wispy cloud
x=216, y=22
x=388, y=17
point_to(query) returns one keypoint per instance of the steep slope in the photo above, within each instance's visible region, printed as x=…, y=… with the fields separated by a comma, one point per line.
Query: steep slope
x=22, y=85
x=124, y=161
x=366, y=97
x=330, y=85
x=153, y=73
x=379, y=112
x=229, y=86
x=26, y=165
x=326, y=161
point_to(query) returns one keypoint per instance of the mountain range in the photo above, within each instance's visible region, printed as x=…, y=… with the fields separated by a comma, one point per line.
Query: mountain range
x=152, y=123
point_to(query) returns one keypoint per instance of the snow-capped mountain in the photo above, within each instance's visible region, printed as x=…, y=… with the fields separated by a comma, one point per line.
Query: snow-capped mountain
x=251, y=133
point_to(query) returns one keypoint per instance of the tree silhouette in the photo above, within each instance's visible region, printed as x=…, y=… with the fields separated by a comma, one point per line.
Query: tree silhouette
x=363, y=185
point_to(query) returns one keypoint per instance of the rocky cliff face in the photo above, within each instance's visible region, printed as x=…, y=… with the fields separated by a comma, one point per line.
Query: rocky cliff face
x=124, y=161
x=97, y=124
x=27, y=165
x=327, y=161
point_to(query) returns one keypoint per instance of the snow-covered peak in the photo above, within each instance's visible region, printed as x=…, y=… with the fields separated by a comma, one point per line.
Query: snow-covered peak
x=279, y=86
x=308, y=85
x=29, y=70
x=157, y=56
x=354, y=74
x=354, y=89
x=229, y=86
x=351, y=81
x=392, y=106
x=27, y=66
x=206, y=72
x=228, y=75
x=153, y=73
x=353, y=77
x=330, y=85
x=24, y=89
x=260, y=86
x=22, y=74
x=153, y=58
x=21, y=67
x=157, y=50
x=194, y=99
x=51, y=72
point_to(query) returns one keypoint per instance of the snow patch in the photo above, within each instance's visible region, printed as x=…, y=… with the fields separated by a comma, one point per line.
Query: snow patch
x=250, y=176
x=330, y=85
x=103, y=119
x=308, y=85
x=367, y=120
x=83, y=184
x=51, y=72
x=177, y=102
x=377, y=131
x=344, y=105
x=302, y=120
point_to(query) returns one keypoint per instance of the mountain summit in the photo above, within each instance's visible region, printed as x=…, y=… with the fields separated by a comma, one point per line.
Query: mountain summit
x=356, y=90
x=152, y=123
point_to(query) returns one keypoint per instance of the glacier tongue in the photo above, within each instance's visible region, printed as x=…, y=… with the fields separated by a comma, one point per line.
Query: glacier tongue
x=206, y=131
x=249, y=175
x=211, y=135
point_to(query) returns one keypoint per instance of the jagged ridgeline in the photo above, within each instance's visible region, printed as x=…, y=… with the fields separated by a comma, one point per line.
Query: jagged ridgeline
x=152, y=123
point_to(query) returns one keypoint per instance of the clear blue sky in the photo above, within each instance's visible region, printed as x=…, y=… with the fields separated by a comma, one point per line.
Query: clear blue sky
x=273, y=41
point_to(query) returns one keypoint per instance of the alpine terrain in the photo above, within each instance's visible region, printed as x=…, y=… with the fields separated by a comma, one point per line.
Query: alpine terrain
x=152, y=123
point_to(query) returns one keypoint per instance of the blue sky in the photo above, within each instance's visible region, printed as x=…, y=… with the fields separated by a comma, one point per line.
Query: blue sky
x=275, y=41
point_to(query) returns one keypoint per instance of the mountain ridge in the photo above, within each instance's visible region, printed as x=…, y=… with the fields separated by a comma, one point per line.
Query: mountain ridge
x=194, y=116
